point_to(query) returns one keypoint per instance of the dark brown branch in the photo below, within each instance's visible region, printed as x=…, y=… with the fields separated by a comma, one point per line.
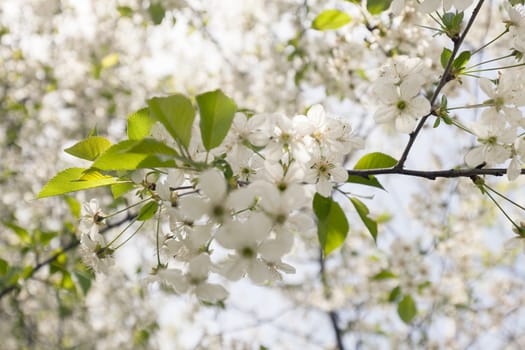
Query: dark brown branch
x=338, y=334
x=332, y=314
x=445, y=78
x=73, y=244
x=433, y=174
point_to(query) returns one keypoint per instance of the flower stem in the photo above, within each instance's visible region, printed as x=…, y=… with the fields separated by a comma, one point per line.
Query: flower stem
x=501, y=209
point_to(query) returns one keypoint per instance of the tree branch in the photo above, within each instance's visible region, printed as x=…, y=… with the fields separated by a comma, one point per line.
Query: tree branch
x=445, y=78
x=338, y=336
x=73, y=244
x=433, y=174
x=332, y=314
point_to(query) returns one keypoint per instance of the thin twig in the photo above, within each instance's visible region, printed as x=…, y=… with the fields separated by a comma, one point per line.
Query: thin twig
x=73, y=244
x=432, y=174
x=332, y=314
x=445, y=78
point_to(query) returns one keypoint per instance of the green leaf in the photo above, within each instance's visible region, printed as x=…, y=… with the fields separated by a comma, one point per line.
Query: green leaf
x=332, y=225
x=394, y=294
x=383, y=275
x=376, y=7
x=141, y=337
x=445, y=57
x=44, y=237
x=131, y=155
x=21, y=232
x=363, y=212
x=225, y=167
x=68, y=181
x=406, y=309
x=67, y=282
x=4, y=267
x=452, y=23
x=367, y=181
x=119, y=189
x=89, y=148
x=148, y=211
x=27, y=272
x=375, y=160
x=139, y=124
x=461, y=60
x=176, y=113
x=110, y=60
x=151, y=146
x=11, y=277
x=436, y=123
x=331, y=19
x=84, y=278
x=216, y=111
x=74, y=206
x=157, y=13
x=125, y=11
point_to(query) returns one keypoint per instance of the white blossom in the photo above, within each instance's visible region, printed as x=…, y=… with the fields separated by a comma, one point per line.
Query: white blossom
x=400, y=105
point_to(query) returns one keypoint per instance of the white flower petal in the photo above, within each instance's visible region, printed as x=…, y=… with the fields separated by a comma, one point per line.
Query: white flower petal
x=193, y=207
x=405, y=123
x=213, y=185
x=211, y=292
x=259, y=272
x=514, y=169
x=475, y=157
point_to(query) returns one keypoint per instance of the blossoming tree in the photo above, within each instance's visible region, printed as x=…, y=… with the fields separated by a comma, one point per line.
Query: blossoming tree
x=243, y=171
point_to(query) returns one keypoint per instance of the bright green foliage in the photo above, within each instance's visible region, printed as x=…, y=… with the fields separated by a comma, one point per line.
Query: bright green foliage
x=147, y=211
x=157, y=13
x=139, y=124
x=9, y=275
x=370, y=181
x=4, y=267
x=442, y=113
x=83, y=277
x=375, y=160
x=110, y=60
x=407, y=309
x=31, y=240
x=75, y=179
x=363, y=212
x=383, y=275
x=452, y=24
x=22, y=233
x=461, y=60
x=445, y=57
x=176, y=113
x=332, y=225
x=42, y=237
x=119, y=189
x=216, y=112
x=376, y=7
x=395, y=294
x=331, y=19
x=132, y=155
x=74, y=206
x=125, y=11
x=89, y=148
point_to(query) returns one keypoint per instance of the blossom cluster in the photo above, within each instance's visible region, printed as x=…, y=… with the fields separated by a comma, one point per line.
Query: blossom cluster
x=500, y=127
x=221, y=223
x=398, y=92
x=248, y=213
